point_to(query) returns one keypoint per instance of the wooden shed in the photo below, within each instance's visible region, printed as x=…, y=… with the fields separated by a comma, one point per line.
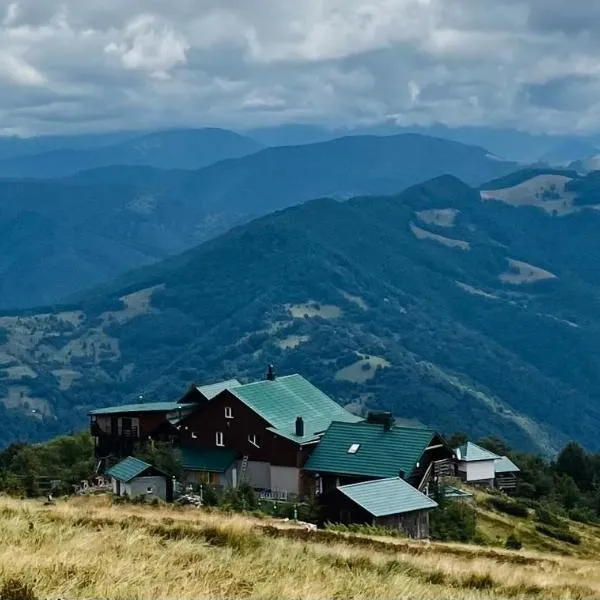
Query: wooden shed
x=506, y=474
x=391, y=503
x=476, y=465
x=133, y=477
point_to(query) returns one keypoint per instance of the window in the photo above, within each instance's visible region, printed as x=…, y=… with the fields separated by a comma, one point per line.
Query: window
x=194, y=435
x=219, y=438
x=253, y=439
x=353, y=449
x=228, y=412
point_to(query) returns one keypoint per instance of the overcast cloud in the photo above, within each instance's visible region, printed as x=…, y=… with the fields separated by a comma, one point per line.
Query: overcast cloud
x=97, y=65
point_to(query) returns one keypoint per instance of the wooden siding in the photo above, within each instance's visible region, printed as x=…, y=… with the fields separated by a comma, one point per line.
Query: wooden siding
x=199, y=430
x=338, y=508
x=414, y=524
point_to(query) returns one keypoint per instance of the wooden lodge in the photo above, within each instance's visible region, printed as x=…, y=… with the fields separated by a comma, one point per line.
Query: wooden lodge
x=288, y=439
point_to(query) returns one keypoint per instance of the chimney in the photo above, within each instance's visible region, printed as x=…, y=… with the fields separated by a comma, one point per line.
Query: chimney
x=381, y=418
x=271, y=373
x=300, y=427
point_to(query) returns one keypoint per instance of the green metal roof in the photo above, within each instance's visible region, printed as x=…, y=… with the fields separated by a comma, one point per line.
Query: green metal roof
x=138, y=408
x=128, y=469
x=387, y=497
x=455, y=493
x=505, y=465
x=281, y=401
x=380, y=453
x=213, y=460
x=470, y=452
x=214, y=389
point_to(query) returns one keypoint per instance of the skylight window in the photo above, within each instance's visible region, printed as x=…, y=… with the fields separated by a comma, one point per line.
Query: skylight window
x=353, y=449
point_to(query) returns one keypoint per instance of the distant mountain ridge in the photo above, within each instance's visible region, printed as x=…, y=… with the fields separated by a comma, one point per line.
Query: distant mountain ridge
x=449, y=309
x=183, y=149
x=60, y=236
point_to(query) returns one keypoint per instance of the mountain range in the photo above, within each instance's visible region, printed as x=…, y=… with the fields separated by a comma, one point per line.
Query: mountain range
x=459, y=308
x=62, y=235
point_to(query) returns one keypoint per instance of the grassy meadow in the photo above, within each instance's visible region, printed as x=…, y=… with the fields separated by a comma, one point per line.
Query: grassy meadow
x=88, y=548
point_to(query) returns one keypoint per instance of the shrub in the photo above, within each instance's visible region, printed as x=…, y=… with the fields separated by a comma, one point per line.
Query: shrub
x=561, y=534
x=15, y=589
x=454, y=521
x=513, y=542
x=365, y=529
x=546, y=516
x=510, y=508
x=479, y=582
x=583, y=515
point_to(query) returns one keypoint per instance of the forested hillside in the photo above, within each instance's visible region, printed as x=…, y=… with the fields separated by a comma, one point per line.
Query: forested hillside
x=448, y=310
x=61, y=236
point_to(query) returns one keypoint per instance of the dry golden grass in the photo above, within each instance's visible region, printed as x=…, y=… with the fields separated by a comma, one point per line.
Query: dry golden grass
x=86, y=548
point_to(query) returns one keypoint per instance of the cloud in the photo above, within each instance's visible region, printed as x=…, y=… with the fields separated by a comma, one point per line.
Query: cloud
x=150, y=45
x=85, y=65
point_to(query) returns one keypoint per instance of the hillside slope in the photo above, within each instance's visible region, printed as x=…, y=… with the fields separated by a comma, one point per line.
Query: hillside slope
x=461, y=314
x=61, y=236
x=219, y=556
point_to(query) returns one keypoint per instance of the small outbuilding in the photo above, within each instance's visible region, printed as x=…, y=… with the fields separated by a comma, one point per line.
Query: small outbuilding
x=476, y=464
x=391, y=503
x=133, y=477
x=506, y=474
x=214, y=466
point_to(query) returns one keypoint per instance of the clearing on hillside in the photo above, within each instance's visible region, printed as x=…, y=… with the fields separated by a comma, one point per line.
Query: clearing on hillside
x=314, y=309
x=354, y=299
x=521, y=273
x=544, y=191
x=423, y=234
x=362, y=370
x=293, y=341
x=442, y=217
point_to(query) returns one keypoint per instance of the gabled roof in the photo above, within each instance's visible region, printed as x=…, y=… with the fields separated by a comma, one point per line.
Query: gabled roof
x=214, y=389
x=505, y=465
x=138, y=408
x=385, y=497
x=213, y=460
x=128, y=469
x=470, y=452
x=380, y=453
x=281, y=401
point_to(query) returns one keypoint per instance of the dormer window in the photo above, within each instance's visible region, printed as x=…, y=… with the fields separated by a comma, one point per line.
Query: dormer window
x=228, y=412
x=353, y=449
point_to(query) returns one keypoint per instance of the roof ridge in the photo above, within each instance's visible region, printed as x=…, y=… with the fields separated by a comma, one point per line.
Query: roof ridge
x=263, y=381
x=403, y=427
x=370, y=481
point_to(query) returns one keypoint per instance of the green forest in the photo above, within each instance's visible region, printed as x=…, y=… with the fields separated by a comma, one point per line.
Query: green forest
x=359, y=297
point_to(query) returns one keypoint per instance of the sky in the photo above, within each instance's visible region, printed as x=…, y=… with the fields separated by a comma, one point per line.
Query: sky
x=69, y=66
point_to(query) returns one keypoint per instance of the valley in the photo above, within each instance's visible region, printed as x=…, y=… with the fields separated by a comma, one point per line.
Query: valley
x=385, y=314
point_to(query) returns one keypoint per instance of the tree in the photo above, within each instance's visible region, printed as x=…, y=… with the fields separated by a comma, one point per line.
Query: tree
x=574, y=462
x=163, y=456
x=495, y=444
x=457, y=439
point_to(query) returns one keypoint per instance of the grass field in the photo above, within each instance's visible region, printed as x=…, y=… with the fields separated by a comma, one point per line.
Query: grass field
x=87, y=548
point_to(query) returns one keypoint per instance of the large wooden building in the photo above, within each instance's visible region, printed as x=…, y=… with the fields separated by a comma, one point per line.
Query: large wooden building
x=376, y=449
x=272, y=426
